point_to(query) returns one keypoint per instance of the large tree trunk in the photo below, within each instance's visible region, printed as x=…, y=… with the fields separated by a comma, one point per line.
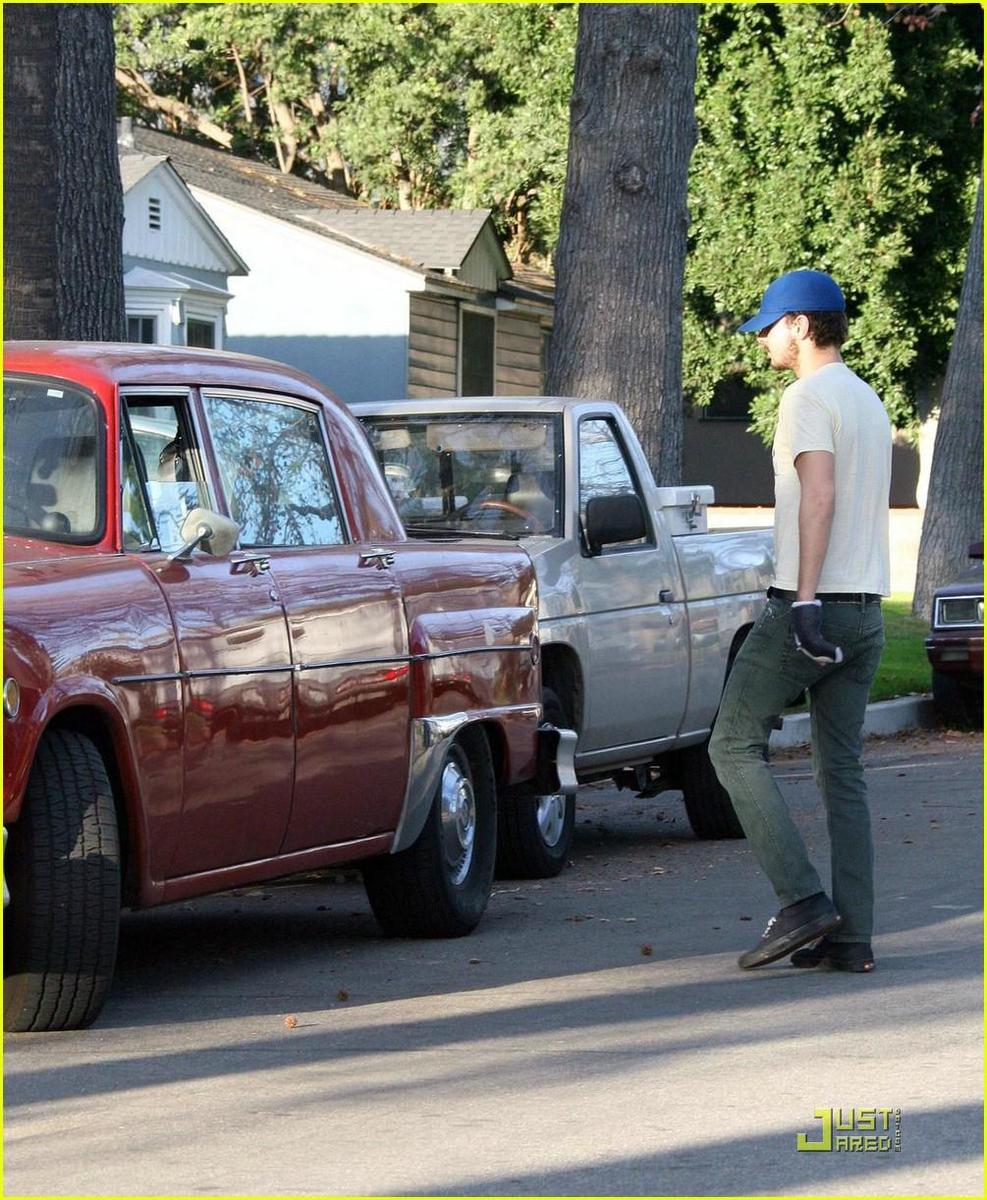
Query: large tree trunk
x=63, y=203
x=622, y=243
x=954, y=510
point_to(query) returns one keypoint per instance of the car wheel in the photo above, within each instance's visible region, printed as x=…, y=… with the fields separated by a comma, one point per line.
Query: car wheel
x=534, y=836
x=63, y=870
x=440, y=885
x=707, y=802
x=957, y=701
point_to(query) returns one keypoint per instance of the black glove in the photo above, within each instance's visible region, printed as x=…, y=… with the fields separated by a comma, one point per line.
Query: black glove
x=807, y=628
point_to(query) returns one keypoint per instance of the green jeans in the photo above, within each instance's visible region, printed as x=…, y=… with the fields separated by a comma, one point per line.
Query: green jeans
x=769, y=673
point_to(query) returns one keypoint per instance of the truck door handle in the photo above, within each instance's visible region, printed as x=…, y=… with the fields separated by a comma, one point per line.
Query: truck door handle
x=374, y=557
x=250, y=563
x=666, y=596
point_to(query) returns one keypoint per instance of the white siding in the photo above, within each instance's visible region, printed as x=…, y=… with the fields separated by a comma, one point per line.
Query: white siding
x=181, y=241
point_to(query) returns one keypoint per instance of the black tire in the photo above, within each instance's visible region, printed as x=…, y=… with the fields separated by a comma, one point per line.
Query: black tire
x=425, y=891
x=707, y=802
x=958, y=702
x=63, y=870
x=534, y=833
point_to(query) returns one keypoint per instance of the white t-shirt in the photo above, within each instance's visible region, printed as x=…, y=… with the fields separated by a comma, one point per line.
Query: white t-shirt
x=832, y=409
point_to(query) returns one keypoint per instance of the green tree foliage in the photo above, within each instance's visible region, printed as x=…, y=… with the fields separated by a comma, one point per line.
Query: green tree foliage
x=834, y=138
x=406, y=105
x=831, y=136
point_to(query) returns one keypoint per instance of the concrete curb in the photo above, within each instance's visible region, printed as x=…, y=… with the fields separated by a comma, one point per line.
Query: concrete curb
x=883, y=717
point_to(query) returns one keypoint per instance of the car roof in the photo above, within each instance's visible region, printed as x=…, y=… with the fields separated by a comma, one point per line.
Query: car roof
x=124, y=363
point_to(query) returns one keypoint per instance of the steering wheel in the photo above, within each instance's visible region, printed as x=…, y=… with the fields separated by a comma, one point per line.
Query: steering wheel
x=506, y=506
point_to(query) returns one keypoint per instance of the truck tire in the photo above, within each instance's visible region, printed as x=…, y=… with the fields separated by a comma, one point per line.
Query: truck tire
x=440, y=885
x=63, y=870
x=534, y=833
x=957, y=702
x=707, y=803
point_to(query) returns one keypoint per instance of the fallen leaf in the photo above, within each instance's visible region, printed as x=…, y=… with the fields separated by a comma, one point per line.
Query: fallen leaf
x=342, y=994
x=646, y=950
x=475, y=961
x=291, y=1022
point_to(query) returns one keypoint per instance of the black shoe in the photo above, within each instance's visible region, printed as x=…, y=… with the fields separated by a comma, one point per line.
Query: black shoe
x=792, y=927
x=841, y=956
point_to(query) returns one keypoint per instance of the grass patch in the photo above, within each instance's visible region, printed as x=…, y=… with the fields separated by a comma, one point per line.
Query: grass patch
x=904, y=665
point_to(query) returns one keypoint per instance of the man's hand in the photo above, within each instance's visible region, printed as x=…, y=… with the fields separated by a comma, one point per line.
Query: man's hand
x=807, y=628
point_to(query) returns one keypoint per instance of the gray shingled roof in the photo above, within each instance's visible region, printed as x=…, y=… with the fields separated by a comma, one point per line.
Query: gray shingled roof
x=134, y=166
x=434, y=238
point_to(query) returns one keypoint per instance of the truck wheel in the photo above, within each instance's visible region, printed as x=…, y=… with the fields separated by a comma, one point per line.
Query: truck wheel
x=534, y=833
x=957, y=703
x=707, y=803
x=440, y=885
x=63, y=869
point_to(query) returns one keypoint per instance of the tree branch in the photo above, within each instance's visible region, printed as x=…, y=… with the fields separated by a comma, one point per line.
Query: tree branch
x=133, y=83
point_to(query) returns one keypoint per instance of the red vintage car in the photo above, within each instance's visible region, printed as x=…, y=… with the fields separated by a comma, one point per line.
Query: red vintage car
x=224, y=662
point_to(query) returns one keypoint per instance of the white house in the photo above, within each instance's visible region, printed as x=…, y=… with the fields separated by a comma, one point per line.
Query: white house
x=176, y=261
x=377, y=304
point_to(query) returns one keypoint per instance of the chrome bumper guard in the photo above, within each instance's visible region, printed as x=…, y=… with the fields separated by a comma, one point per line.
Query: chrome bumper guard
x=431, y=737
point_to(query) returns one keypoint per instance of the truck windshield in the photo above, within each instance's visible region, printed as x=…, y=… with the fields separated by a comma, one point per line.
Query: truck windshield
x=51, y=459
x=472, y=472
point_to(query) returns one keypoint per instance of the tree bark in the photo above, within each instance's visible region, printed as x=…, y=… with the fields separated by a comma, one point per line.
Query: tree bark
x=622, y=243
x=63, y=202
x=954, y=510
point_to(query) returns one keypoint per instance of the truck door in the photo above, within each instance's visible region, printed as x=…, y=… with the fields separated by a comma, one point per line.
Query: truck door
x=238, y=736
x=637, y=674
x=345, y=616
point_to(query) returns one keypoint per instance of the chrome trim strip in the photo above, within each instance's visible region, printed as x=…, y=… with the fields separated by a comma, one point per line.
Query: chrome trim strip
x=299, y=668
x=430, y=737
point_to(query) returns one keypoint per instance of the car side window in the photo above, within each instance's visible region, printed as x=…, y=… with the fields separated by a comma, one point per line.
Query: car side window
x=163, y=479
x=603, y=467
x=275, y=471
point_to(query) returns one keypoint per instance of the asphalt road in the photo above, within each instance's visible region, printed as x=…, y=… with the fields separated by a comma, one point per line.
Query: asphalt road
x=593, y=1037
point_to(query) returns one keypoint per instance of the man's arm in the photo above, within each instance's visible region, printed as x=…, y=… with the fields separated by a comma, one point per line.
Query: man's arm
x=817, y=480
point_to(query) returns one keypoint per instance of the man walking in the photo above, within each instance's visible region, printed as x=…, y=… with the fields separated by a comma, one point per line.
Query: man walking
x=821, y=631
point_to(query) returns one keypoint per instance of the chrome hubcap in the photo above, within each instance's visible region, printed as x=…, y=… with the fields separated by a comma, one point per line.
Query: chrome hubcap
x=458, y=810
x=551, y=818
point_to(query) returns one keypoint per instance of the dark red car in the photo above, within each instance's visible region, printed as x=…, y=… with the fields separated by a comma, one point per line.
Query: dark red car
x=955, y=645
x=224, y=662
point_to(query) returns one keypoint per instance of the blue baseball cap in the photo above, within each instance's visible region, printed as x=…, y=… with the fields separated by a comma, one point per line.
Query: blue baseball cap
x=796, y=292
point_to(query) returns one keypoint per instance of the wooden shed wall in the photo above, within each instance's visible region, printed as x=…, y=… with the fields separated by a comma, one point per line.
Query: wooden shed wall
x=433, y=346
x=518, y=365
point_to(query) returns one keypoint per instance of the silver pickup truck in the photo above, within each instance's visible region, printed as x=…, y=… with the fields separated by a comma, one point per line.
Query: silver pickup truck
x=641, y=609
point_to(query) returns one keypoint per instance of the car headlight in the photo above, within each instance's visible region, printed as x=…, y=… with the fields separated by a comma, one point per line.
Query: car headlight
x=959, y=610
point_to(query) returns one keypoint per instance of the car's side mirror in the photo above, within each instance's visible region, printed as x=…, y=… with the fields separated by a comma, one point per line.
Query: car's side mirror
x=209, y=531
x=611, y=519
x=976, y=550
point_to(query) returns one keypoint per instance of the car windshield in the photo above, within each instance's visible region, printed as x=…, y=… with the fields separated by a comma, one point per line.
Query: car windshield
x=472, y=472
x=51, y=460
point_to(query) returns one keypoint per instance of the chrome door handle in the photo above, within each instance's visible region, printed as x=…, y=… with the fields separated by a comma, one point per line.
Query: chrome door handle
x=666, y=596
x=381, y=559
x=254, y=563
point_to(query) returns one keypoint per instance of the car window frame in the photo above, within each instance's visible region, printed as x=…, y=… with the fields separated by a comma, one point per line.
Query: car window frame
x=651, y=541
x=288, y=400
x=199, y=453
x=102, y=437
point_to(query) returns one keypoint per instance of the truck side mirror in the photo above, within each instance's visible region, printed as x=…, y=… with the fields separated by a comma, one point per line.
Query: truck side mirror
x=209, y=531
x=611, y=519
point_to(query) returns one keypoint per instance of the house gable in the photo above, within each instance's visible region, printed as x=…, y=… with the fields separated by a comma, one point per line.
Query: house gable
x=163, y=223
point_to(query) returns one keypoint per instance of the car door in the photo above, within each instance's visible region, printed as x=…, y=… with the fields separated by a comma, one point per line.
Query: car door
x=345, y=616
x=637, y=673
x=234, y=654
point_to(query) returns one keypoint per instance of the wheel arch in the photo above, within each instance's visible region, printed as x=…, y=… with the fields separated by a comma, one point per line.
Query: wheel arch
x=562, y=672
